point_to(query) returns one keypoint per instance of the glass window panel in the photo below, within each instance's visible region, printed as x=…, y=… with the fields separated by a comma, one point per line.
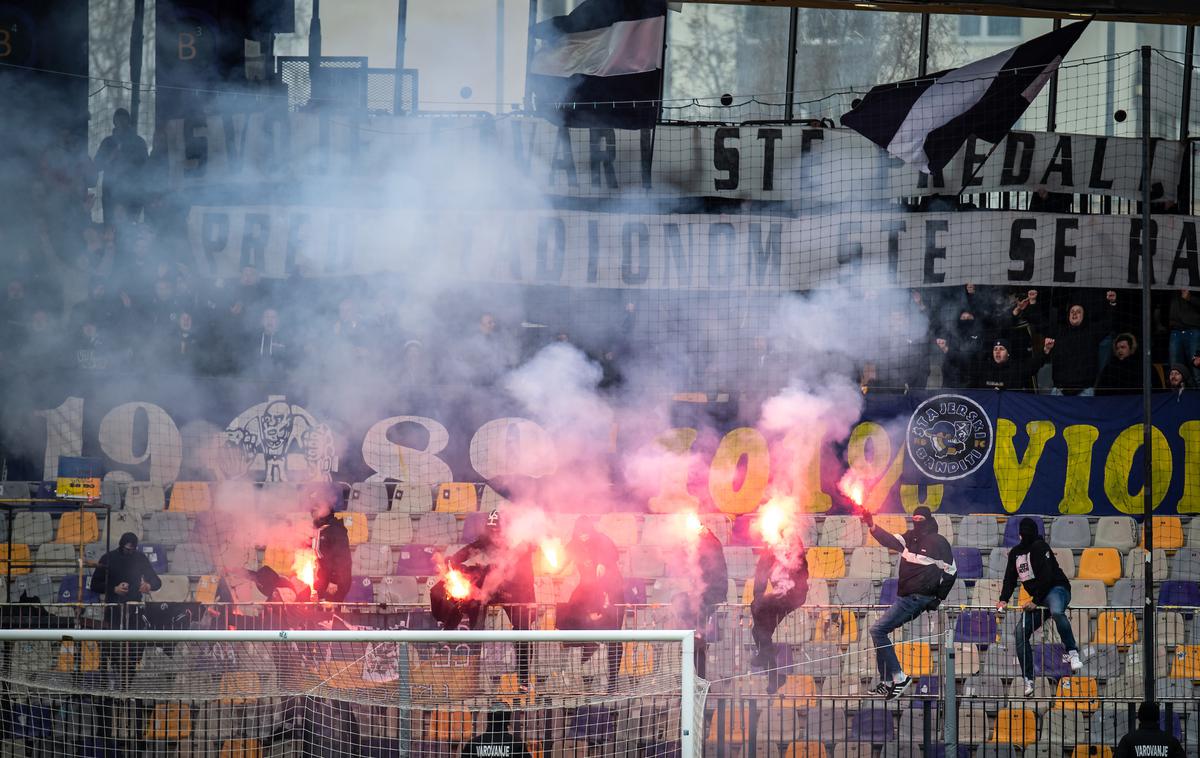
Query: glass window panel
x=1004, y=26
x=970, y=26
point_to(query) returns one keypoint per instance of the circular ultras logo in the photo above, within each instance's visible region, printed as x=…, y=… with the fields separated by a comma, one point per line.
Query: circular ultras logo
x=949, y=437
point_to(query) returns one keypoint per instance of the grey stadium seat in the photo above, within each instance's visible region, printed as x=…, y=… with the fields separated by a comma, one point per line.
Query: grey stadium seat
x=978, y=531
x=851, y=591
x=14, y=490
x=397, y=590
x=163, y=528
x=191, y=560
x=32, y=528
x=1185, y=566
x=1122, y=594
x=1116, y=531
x=372, y=560
x=368, y=497
x=1070, y=531
x=121, y=522
x=436, y=529
x=997, y=562
x=412, y=498
x=391, y=529
x=144, y=496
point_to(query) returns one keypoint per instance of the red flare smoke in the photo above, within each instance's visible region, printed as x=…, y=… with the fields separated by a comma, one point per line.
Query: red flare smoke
x=772, y=520
x=304, y=566
x=852, y=488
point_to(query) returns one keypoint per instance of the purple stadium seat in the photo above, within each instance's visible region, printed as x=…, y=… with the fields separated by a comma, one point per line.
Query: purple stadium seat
x=742, y=534
x=1011, y=537
x=361, y=590
x=1048, y=660
x=157, y=555
x=925, y=688
x=635, y=591
x=872, y=725
x=68, y=591
x=416, y=560
x=978, y=627
x=594, y=724
x=1179, y=594
x=969, y=562
x=474, y=526
x=887, y=593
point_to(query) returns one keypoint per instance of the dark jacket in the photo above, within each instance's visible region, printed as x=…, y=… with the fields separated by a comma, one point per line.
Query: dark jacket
x=515, y=565
x=926, y=560
x=1075, y=358
x=714, y=575
x=1034, y=565
x=1148, y=741
x=1014, y=374
x=496, y=741
x=1124, y=377
x=332, y=548
x=789, y=582
x=118, y=566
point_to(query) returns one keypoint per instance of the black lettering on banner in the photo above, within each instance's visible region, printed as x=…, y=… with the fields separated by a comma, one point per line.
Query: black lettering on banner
x=807, y=137
x=632, y=274
x=726, y=159
x=1022, y=249
x=1185, y=256
x=677, y=258
x=722, y=241
x=893, y=227
x=933, y=253
x=769, y=138
x=1097, y=180
x=937, y=180
x=552, y=234
x=214, y=237
x=971, y=161
x=593, y=241
x=603, y=152
x=256, y=232
x=1135, y=250
x=564, y=159
x=297, y=237
x=522, y=145
x=849, y=251
x=765, y=259
x=647, y=158
x=1062, y=250
x=1061, y=163
x=1018, y=143
x=195, y=135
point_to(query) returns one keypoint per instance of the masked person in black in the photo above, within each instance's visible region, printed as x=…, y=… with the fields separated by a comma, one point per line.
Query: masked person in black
x=597, y=601
x=705, y=560
x=927, y=573
x=503, y=576
x=780, y=587
x=122, y=577
x=497, y=741
x=331, y=548
x=1032, y=562
x=1149, y=740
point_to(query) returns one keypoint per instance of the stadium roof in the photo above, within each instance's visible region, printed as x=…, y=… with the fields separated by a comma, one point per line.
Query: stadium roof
x=1144, y=11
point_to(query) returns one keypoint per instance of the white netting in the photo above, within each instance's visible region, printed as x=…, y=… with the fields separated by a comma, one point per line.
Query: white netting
x=311, y=694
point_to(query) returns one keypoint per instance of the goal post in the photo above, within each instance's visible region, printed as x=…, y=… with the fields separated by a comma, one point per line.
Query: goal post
x=242, y=692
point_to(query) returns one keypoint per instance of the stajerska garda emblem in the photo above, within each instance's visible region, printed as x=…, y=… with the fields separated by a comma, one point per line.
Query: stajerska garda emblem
x=949, y=437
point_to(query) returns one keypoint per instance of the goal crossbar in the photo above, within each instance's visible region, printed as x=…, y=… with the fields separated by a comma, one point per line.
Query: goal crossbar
x=685, y=638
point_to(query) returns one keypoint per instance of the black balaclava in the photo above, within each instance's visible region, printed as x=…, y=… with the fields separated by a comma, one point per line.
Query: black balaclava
x=928, y=526
x=1028, y=529
x=128, y=538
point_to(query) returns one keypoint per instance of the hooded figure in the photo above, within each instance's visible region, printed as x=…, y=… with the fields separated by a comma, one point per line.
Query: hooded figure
x=125, y=574
x=927, y=573
x=1149, y=738
x=331, y=547
x=1032, y=562
x=780, y=587
x=598, y=600
x=497, y=739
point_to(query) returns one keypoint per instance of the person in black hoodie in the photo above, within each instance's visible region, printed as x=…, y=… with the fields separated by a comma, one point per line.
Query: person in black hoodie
x=598, y=599
x=927, y=573
x=497, y=740
x=705, y=560
x=331, y=548
x=1123, y=373
x=122, y=577
x=1004, y=371
x=1074, y=357
x=1032, y=562
x=1149, y=739
x=785, y=569
x=504, y=577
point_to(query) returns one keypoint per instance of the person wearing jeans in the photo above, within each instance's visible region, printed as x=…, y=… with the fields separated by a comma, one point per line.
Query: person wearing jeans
x=1032, y=562
x=927, y=573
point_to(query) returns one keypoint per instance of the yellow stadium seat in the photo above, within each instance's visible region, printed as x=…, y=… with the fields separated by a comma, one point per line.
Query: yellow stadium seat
x=737, y=721
x=171, y=721
x=279, y=558
x=1186, y=664
x=509, y=690
x=638, y=659
x=20, y=559
x=356, y=526
x=826, y=563
x=90, y=661
x=892, y=523
x=838, y=627
x=190, y=497
x=915, y=658
x=1168, y=533
x=1015, y=726
x=1116, y=628
x=1077, y=693
x=805, y=750
x=1092, y=751
x=239, y=687
x=75, y=528
x=455, y=497
x=798, y=691
x=206, y=588
x=449, y=726
x=241, y=748
x=1103, y=563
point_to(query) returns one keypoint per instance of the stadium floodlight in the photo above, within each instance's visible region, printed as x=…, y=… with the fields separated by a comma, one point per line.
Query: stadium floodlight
x=346, y=692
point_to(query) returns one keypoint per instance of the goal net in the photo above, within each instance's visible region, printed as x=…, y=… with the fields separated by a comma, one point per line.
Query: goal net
x=351, y=693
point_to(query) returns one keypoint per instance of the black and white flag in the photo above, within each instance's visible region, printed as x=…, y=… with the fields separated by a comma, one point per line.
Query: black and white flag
x=601, y=64
x=925, y=121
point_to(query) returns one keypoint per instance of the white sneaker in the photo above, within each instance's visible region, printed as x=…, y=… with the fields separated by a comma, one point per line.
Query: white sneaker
x=1028, y=688
x=1074, y=660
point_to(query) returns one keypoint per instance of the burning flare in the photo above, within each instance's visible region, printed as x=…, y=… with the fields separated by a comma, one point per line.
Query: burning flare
x=458, y=586
x=772, y=520
x=552, y=553
x=852, y=488
x=692, y=524
x=304, y=566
